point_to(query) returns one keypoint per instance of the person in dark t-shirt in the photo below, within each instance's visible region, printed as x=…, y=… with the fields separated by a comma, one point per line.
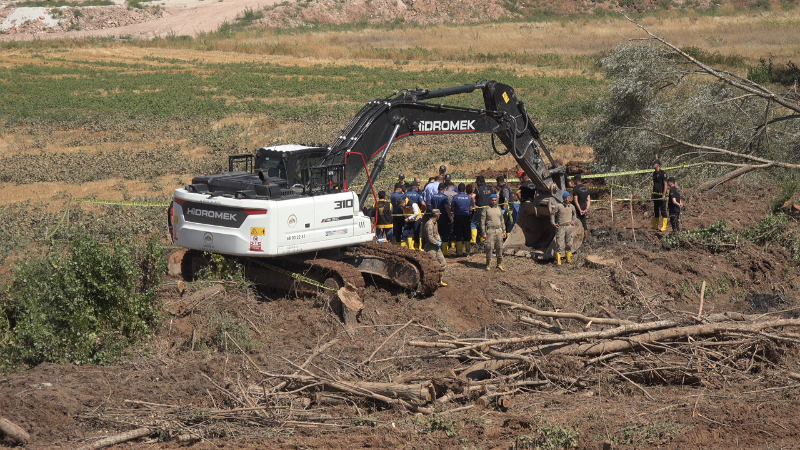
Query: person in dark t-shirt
x=659, y=195
x=675, y=205
x=582, y=200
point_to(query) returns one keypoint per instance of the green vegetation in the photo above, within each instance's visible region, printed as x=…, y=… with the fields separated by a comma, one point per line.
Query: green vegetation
x=84, y=304
x=655, y=433
x=718, y=237
x=550, y=437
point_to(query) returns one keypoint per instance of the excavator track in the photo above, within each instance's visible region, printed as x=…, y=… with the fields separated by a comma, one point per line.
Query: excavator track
x=401, y=259
x=294, y=274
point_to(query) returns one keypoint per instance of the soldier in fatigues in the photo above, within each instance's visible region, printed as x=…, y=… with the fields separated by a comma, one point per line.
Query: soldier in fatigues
x=432, y=240
x=563, y=219
x=494, y=227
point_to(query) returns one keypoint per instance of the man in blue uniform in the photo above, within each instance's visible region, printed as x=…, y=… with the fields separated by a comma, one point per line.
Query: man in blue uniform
x=441, y=202
x=415, y=198
x=505, y=201
x=582, y=200
x=675, y=205
x=462, y=205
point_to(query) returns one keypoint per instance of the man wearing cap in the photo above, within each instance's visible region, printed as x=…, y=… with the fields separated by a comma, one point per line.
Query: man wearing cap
x=402, y=180
x=398, y=200
x=494, y=227
x=658, y=195
x=563, y=219
x=582, y=201
x=505, y=201
x=462, y=205
x=433, y=242
x=527, y=190
x=482, y=194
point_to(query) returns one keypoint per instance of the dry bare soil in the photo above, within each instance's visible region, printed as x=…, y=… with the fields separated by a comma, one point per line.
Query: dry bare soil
x=696, y=395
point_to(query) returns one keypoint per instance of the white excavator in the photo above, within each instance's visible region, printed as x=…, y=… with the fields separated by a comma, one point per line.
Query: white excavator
x=290, y=209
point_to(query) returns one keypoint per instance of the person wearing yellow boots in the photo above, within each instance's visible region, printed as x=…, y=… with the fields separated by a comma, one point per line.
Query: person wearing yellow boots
x=412, y=215
x=462, y=204
x=433, y=242
x=563, y=219
x=482, y=193
x=414, y=196
x=494, y=226
x=659, y=195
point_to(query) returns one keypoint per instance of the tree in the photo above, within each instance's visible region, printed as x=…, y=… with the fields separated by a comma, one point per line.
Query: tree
x=664, y=102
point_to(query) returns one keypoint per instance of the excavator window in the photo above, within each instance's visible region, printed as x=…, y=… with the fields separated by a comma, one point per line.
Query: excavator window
x=304, y=164
x=274, y=166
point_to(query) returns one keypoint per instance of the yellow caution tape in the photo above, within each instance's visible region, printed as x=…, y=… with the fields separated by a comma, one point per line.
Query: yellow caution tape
x=294, y=275
x=118, y=203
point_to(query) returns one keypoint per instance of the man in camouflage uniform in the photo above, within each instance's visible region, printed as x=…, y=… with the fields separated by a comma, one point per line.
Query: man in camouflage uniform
x=563, y=219
x=432, y=241
x=494, y=228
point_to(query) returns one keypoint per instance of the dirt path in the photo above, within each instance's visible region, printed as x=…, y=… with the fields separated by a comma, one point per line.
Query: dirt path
x=180, y=17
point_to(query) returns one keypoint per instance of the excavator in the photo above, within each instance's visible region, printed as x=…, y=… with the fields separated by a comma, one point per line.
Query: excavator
x=290, y=214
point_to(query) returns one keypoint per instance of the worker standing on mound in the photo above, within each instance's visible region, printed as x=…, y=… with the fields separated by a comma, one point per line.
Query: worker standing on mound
x=563, y=219
x=494, y=227
x=659, y=195
x=462, y=205
x=433, y=242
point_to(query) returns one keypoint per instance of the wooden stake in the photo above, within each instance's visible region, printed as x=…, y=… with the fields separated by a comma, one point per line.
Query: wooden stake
x=702, y=296
x=633, y=224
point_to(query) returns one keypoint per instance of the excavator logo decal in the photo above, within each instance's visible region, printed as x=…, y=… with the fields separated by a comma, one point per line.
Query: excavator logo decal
x=213, y=215
x=446, y=125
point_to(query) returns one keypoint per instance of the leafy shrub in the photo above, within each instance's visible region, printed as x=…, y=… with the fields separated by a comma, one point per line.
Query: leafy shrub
x=439, y=422
x=86, y=304
x=550, y=437
x=717, y=237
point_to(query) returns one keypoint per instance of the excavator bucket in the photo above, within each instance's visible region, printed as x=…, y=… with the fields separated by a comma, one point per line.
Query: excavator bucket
x=534, y=235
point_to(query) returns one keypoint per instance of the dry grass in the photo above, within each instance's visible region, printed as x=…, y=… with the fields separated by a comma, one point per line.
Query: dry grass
x=752, y=36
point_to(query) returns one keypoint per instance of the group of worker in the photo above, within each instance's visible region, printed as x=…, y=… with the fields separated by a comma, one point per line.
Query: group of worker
x=446, y=220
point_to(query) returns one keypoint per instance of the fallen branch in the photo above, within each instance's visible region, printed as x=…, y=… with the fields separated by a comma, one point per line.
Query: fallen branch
x=14, y=431
x=118, y=439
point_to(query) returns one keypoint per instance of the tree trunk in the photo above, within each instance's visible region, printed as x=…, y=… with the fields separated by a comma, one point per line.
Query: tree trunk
x=711, y=184
x=13, y=431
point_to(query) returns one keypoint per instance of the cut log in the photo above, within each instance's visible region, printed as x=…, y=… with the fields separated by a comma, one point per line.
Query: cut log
x=419, y=392
x=118, y=439
x=328, y=399
x=14, y=431
x=351, y=306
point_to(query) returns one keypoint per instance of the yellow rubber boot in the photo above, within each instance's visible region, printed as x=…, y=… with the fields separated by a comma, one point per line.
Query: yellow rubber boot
x=558, y=259
x=664, y=224
x=468, y=247
x=410, y=244
x=459, y=249
x=488, y=264
x=569, y=257
x=419, y=241
x=655, y=223
x=446, y=250
x=474, y=236
x=403, y=244
x=500, y=267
